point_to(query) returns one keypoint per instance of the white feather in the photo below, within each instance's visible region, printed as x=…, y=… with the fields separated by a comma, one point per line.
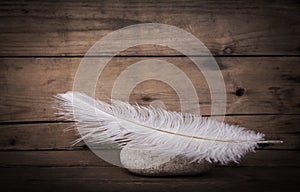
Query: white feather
x=191, y=135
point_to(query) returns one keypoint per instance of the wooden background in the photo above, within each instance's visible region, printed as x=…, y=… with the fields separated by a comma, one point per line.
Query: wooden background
x=256, y=44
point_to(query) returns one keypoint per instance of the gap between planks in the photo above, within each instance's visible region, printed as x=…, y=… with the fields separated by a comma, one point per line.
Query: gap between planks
x=86, y=158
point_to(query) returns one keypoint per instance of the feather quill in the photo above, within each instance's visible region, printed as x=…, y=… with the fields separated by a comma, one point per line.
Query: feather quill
x=190, y=135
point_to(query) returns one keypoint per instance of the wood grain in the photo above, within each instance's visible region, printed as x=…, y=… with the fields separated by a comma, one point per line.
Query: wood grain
x=84, y=158
x=70, y=28
x=52, y=136
x=28, y=85
x=116, y=179
x=256, y=44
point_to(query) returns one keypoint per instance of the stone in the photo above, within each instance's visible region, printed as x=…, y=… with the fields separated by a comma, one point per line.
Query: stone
x=156, y=163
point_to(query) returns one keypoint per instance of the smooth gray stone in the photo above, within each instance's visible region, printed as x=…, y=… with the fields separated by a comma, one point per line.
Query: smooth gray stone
x=153, y=163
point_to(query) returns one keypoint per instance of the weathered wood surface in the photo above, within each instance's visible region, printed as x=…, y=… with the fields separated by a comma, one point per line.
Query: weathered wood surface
x=56, y=28
x=42, y=43
x=270, y=85
x=116, y=179
x=72, y=158
x=52, y=136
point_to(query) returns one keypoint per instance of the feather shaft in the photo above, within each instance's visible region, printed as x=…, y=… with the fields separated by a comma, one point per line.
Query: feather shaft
x=191, y=135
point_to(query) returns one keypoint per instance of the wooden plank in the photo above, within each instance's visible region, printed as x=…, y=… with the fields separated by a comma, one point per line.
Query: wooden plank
x=37, y=136
x=83, y=158
x=254, y=85
x=116, y=179
x=55, y=28
x=270, y=158
x=51, y=136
